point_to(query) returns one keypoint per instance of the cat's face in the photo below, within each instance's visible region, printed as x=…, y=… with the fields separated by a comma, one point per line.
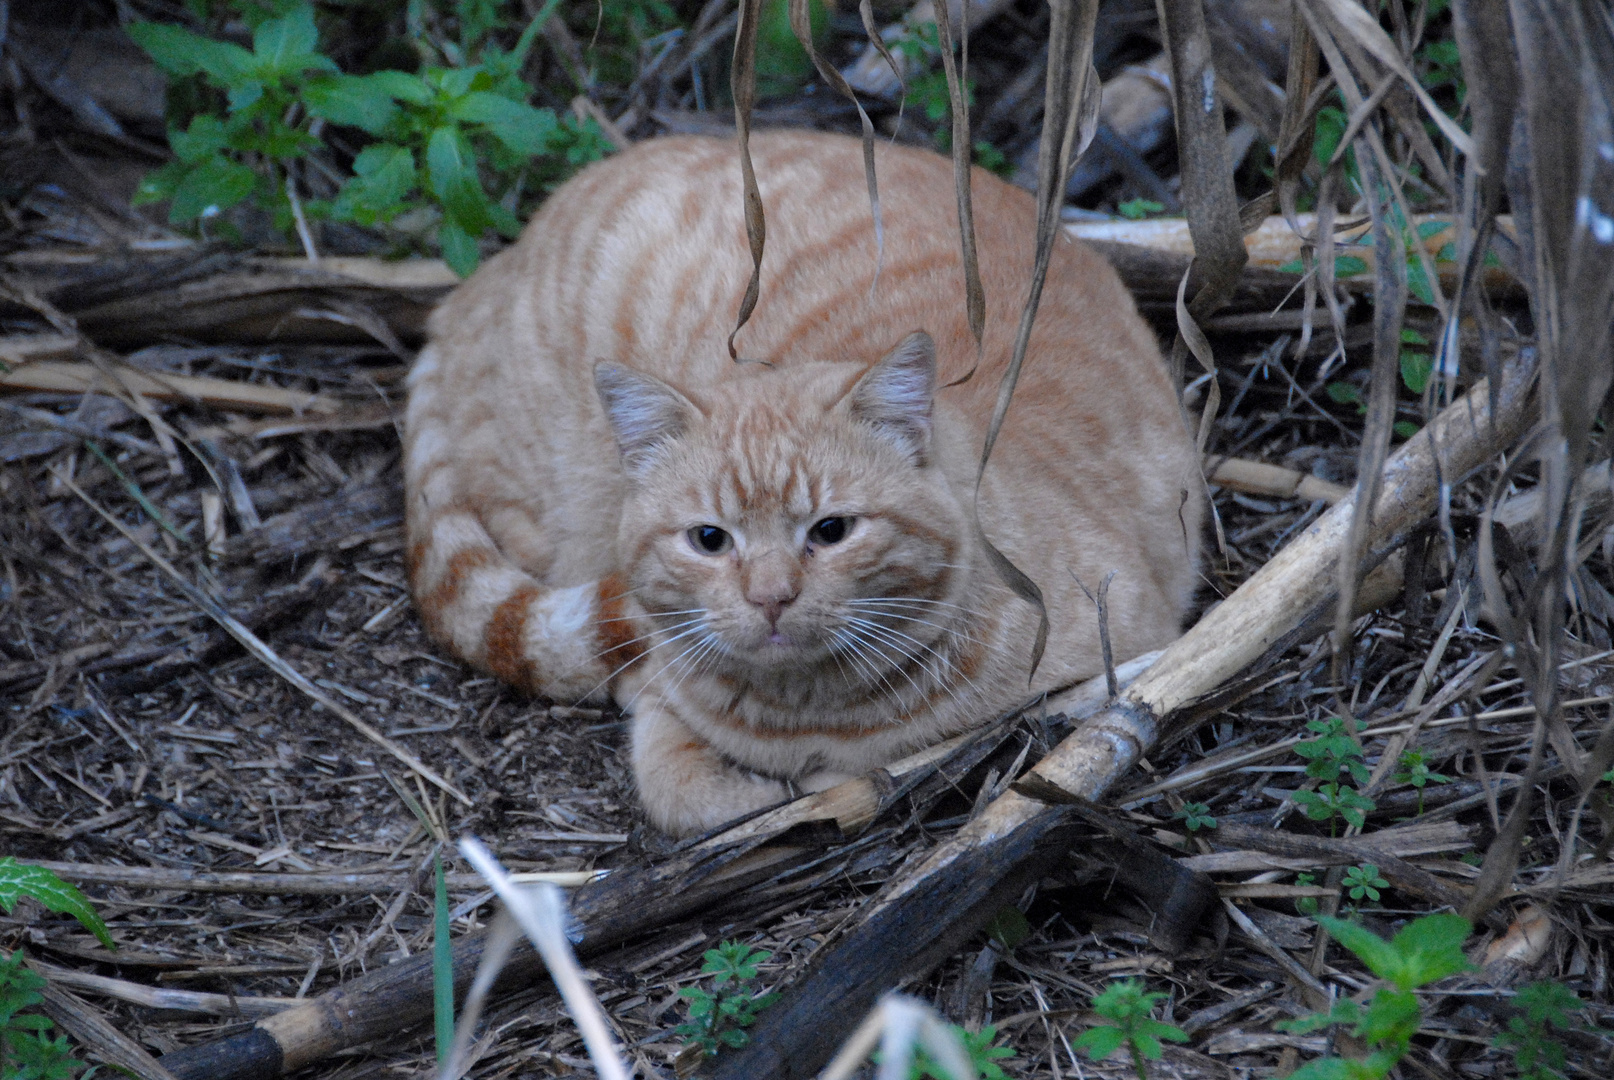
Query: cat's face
x=792, y=520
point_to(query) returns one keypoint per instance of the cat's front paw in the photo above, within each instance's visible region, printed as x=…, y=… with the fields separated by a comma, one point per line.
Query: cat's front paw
x=705, y=801
x=686, y=786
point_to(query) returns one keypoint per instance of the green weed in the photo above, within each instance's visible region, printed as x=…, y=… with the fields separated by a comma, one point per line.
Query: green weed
x=460, y=143
x=1545, y=1007
x=719, y=1017
x=1130, y=1012
x=27, y=1051
x=1195, y=815
x=1424, y=951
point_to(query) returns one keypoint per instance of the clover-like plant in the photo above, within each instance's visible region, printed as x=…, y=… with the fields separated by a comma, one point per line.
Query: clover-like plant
x=1195, y=815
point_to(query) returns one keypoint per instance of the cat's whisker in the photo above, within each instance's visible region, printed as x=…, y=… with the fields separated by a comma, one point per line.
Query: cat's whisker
x=892, y=632
x=958, y=634
x=696, y=623
x=649, y=616
x=676, y=662
x=865, y=667
x=880, y=646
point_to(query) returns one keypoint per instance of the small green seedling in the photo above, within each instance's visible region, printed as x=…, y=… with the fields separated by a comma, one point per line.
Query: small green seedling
x=1138, y=209
x=27, y=1052
x=1306, y=905
x=719, y=1017
x=1424, y=951
x=1537, y=1053
x=1130, y=1012
x=1413, y=768
x=1196, y=815
x=1363, y=882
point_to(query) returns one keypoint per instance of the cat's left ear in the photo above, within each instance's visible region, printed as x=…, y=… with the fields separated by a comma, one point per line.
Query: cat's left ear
x=644, y=412
x=895, y=396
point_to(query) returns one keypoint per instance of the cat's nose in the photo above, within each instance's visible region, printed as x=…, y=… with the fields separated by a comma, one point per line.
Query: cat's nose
x=771, y=583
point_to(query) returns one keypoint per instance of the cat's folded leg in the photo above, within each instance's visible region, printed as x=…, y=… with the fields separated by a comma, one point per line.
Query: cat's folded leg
x=685, y=785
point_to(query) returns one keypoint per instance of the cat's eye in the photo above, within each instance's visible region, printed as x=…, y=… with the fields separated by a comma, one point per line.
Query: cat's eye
x=709, y=539
x=831, y=530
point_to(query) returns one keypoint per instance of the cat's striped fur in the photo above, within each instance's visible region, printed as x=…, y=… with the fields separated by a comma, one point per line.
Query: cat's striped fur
x=551, y=504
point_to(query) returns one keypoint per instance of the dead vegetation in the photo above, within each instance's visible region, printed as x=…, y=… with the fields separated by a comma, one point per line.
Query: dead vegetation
x=216, y=700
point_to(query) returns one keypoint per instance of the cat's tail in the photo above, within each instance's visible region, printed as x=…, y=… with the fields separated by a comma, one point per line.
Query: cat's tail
x=566, y=644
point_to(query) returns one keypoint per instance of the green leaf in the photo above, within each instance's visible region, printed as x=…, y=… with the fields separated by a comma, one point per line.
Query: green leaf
x=351, y=100
x=213, y=186
x=521, y=127
x=1348, y=266
x=1100, y=1042
x=1008, y=927
x=1138, y=209
x=1381, y=959
x=384, y=175
x=1418, y=282
x=1432, y=948
x=1406, y=429
x=403, y=86
x=205, y=137
x=459, y=249
x=287, y=46
x=180, y=53
x=451, y=171
x=1344, y=393
x=1432, y=228
x=20, y=879
x=1416, y=367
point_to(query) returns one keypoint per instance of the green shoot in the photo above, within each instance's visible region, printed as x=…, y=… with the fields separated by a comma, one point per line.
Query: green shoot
x=719, y=1017
x=1130, y=1012
x=437, y=140
x=1196, y=815
x=442, y=966
x=977, y=1045
x=1332, y=802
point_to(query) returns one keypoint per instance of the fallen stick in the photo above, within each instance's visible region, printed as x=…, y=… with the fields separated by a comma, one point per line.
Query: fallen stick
x=927, y=911
x=70, y=377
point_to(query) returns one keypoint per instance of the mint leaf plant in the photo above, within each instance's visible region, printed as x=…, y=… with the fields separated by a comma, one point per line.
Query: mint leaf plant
x=1424, y=951
x=461, y=143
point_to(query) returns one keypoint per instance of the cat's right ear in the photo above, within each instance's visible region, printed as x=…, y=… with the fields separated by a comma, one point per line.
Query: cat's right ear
x=644, y=411
x=895, y=396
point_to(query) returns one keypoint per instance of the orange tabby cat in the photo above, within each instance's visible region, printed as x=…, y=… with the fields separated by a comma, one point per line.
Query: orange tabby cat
x=772, y=566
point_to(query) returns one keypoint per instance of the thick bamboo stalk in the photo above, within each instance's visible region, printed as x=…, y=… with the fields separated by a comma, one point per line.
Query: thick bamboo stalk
x=930, y=909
